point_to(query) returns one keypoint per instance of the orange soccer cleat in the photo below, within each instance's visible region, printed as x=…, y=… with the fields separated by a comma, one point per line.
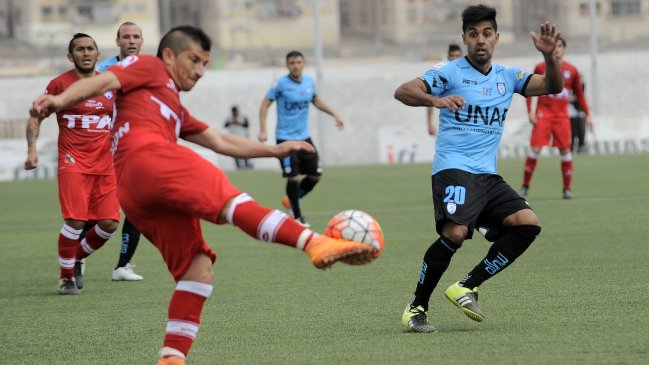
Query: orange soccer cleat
x=286, y=203
x=325, y=251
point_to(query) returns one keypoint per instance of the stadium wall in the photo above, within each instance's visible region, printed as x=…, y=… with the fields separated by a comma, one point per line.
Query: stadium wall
x=378, y=128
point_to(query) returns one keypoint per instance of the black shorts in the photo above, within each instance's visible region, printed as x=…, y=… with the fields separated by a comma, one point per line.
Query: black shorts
x=301, y=163
x=473, y=199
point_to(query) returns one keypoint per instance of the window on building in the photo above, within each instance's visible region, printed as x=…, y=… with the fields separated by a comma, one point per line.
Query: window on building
x=94, y=11
x=46, y=14
x=584, y=9
x=625, y=7
x=268, y=9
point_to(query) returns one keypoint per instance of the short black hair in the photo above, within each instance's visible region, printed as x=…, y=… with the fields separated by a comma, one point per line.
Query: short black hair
x=77, y=36
x=177, y=39
x=453, y=47
x=563, y=40
x=477, y=13
x=294, y=54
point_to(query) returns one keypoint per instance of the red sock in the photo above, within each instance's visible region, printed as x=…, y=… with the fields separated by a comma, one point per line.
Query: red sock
x=185, y=310
x=68, y=243
x=530, y=166
x=566, y=171
x=93, y=241
x=266, y=224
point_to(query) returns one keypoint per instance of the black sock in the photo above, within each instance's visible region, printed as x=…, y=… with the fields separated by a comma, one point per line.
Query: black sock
x=130, y=240
x=502, y=253
x=436, y=261
x=292, y=192
x=306, y=185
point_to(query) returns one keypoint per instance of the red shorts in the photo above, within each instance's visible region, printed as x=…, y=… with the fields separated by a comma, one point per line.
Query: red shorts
x=557, y=128
x=165, y=190
x=86, y=197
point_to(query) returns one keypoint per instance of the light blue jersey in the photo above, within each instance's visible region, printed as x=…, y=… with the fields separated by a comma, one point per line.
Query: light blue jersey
x=105, y=64
x=469, y=138
x=293, y=99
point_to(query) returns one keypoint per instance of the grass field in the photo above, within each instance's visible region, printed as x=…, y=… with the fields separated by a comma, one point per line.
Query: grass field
x=578, y=296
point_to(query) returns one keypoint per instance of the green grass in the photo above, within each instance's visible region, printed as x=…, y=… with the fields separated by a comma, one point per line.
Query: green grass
x=578, y=296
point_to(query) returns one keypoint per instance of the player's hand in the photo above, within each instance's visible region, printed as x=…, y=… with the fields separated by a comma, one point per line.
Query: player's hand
x=340, y=123
x=45, y=105
x=532, y=117
x=287, y=147
x=546, y=42
x=432, y=130
x=262, y=137
x=589, y=123
x=32, y=161
x=451, y=102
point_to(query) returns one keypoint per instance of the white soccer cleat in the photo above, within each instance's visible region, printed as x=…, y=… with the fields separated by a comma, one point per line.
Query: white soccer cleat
x=126, y=273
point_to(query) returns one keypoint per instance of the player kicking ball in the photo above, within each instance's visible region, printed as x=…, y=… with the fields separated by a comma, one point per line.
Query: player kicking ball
x=166, y=189
x=473, y=96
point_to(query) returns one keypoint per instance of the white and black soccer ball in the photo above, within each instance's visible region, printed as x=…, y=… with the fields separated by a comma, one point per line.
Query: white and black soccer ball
x=358, y=226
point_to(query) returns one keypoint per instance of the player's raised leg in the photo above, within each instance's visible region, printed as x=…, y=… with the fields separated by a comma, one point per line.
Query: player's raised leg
x=270, y=225
x=523, y=228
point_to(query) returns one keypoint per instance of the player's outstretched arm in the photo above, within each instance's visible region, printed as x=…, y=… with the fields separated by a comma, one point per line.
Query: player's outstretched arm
x=81, y=90
x=552, y=81
x=32, y=132
x=320, y=104
x=240, y=147
x=414, y=93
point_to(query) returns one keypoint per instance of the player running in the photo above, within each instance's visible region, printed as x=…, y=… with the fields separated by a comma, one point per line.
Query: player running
x=166, y=189
x=293, y=93
x=473, y=96
x=552, y=119
x=85, y=166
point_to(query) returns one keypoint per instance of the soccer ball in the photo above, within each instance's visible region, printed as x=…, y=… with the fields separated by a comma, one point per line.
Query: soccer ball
x=356, y=225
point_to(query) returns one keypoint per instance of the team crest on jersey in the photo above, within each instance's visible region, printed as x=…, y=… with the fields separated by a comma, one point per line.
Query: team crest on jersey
x=566, y=74
x=501, y=88
x=451, y=208
x=108, y=94
x=69, y=159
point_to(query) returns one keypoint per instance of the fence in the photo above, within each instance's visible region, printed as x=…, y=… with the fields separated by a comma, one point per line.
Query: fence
x=12, y=128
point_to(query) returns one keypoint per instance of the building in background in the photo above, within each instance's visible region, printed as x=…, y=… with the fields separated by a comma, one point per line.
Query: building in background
x=264, y=30
x=51, y=23
x=617, y=20
x=430, y=21
x=244, y=25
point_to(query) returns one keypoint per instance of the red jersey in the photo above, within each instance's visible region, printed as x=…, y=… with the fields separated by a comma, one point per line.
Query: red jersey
x=84, y=131
x=556, y=105
x=148, y=108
